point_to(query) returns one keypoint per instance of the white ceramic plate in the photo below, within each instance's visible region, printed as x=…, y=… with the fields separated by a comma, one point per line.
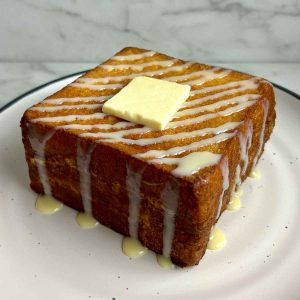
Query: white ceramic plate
x=50, y=257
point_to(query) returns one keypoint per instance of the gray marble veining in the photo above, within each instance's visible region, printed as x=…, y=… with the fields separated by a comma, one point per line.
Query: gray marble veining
x=208, y=30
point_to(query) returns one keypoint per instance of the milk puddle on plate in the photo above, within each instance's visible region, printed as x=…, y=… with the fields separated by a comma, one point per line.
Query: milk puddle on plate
x=47, y=205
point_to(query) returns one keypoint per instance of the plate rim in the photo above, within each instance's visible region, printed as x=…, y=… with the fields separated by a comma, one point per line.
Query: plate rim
x=39, y=87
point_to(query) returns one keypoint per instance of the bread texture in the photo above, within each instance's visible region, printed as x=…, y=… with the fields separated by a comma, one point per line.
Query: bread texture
x=122, y=172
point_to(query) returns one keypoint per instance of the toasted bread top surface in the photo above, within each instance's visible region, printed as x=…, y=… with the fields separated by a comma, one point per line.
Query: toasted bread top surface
x=219, y=104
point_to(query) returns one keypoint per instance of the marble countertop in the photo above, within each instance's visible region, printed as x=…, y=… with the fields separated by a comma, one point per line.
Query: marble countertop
x=211, y=30
x=18, y=78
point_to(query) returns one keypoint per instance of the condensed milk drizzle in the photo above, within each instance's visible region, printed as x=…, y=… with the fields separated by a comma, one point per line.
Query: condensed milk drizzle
x=117, y=79
x=139, y=67
x=133, y=184
x=245, y=144
x=133, y=248
x=169, y=197
x=164, y=262
x=217, y=239
x=65, y=107
x=38, y=143
x=204, y=103
x=133, y=56
x=83, y=166
x=235, y=202
x=265, y=105
x=86, y=220
x=47, y=205
x=225, y=175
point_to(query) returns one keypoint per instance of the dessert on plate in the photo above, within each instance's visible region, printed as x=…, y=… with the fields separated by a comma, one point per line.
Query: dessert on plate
x=165, y=187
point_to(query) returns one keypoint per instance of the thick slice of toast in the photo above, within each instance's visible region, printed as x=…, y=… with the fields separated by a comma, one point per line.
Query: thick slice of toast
x=128, y=175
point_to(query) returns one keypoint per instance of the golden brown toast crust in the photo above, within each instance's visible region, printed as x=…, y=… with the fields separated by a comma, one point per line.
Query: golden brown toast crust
x=198, y=200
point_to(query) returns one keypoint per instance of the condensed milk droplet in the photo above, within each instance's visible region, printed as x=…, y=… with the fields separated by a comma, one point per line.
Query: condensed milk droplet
x=235, y=202
x=217, y=239
x=47, y=205
x=133, y=248
x=86, y=221
x=255, y=173
x=164, y=262
x=239, y=192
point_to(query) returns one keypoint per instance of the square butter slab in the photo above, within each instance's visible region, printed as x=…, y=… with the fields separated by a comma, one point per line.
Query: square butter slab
x=148, y=101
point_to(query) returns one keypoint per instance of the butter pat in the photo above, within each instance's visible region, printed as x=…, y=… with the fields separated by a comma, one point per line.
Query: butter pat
x=148, y=101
